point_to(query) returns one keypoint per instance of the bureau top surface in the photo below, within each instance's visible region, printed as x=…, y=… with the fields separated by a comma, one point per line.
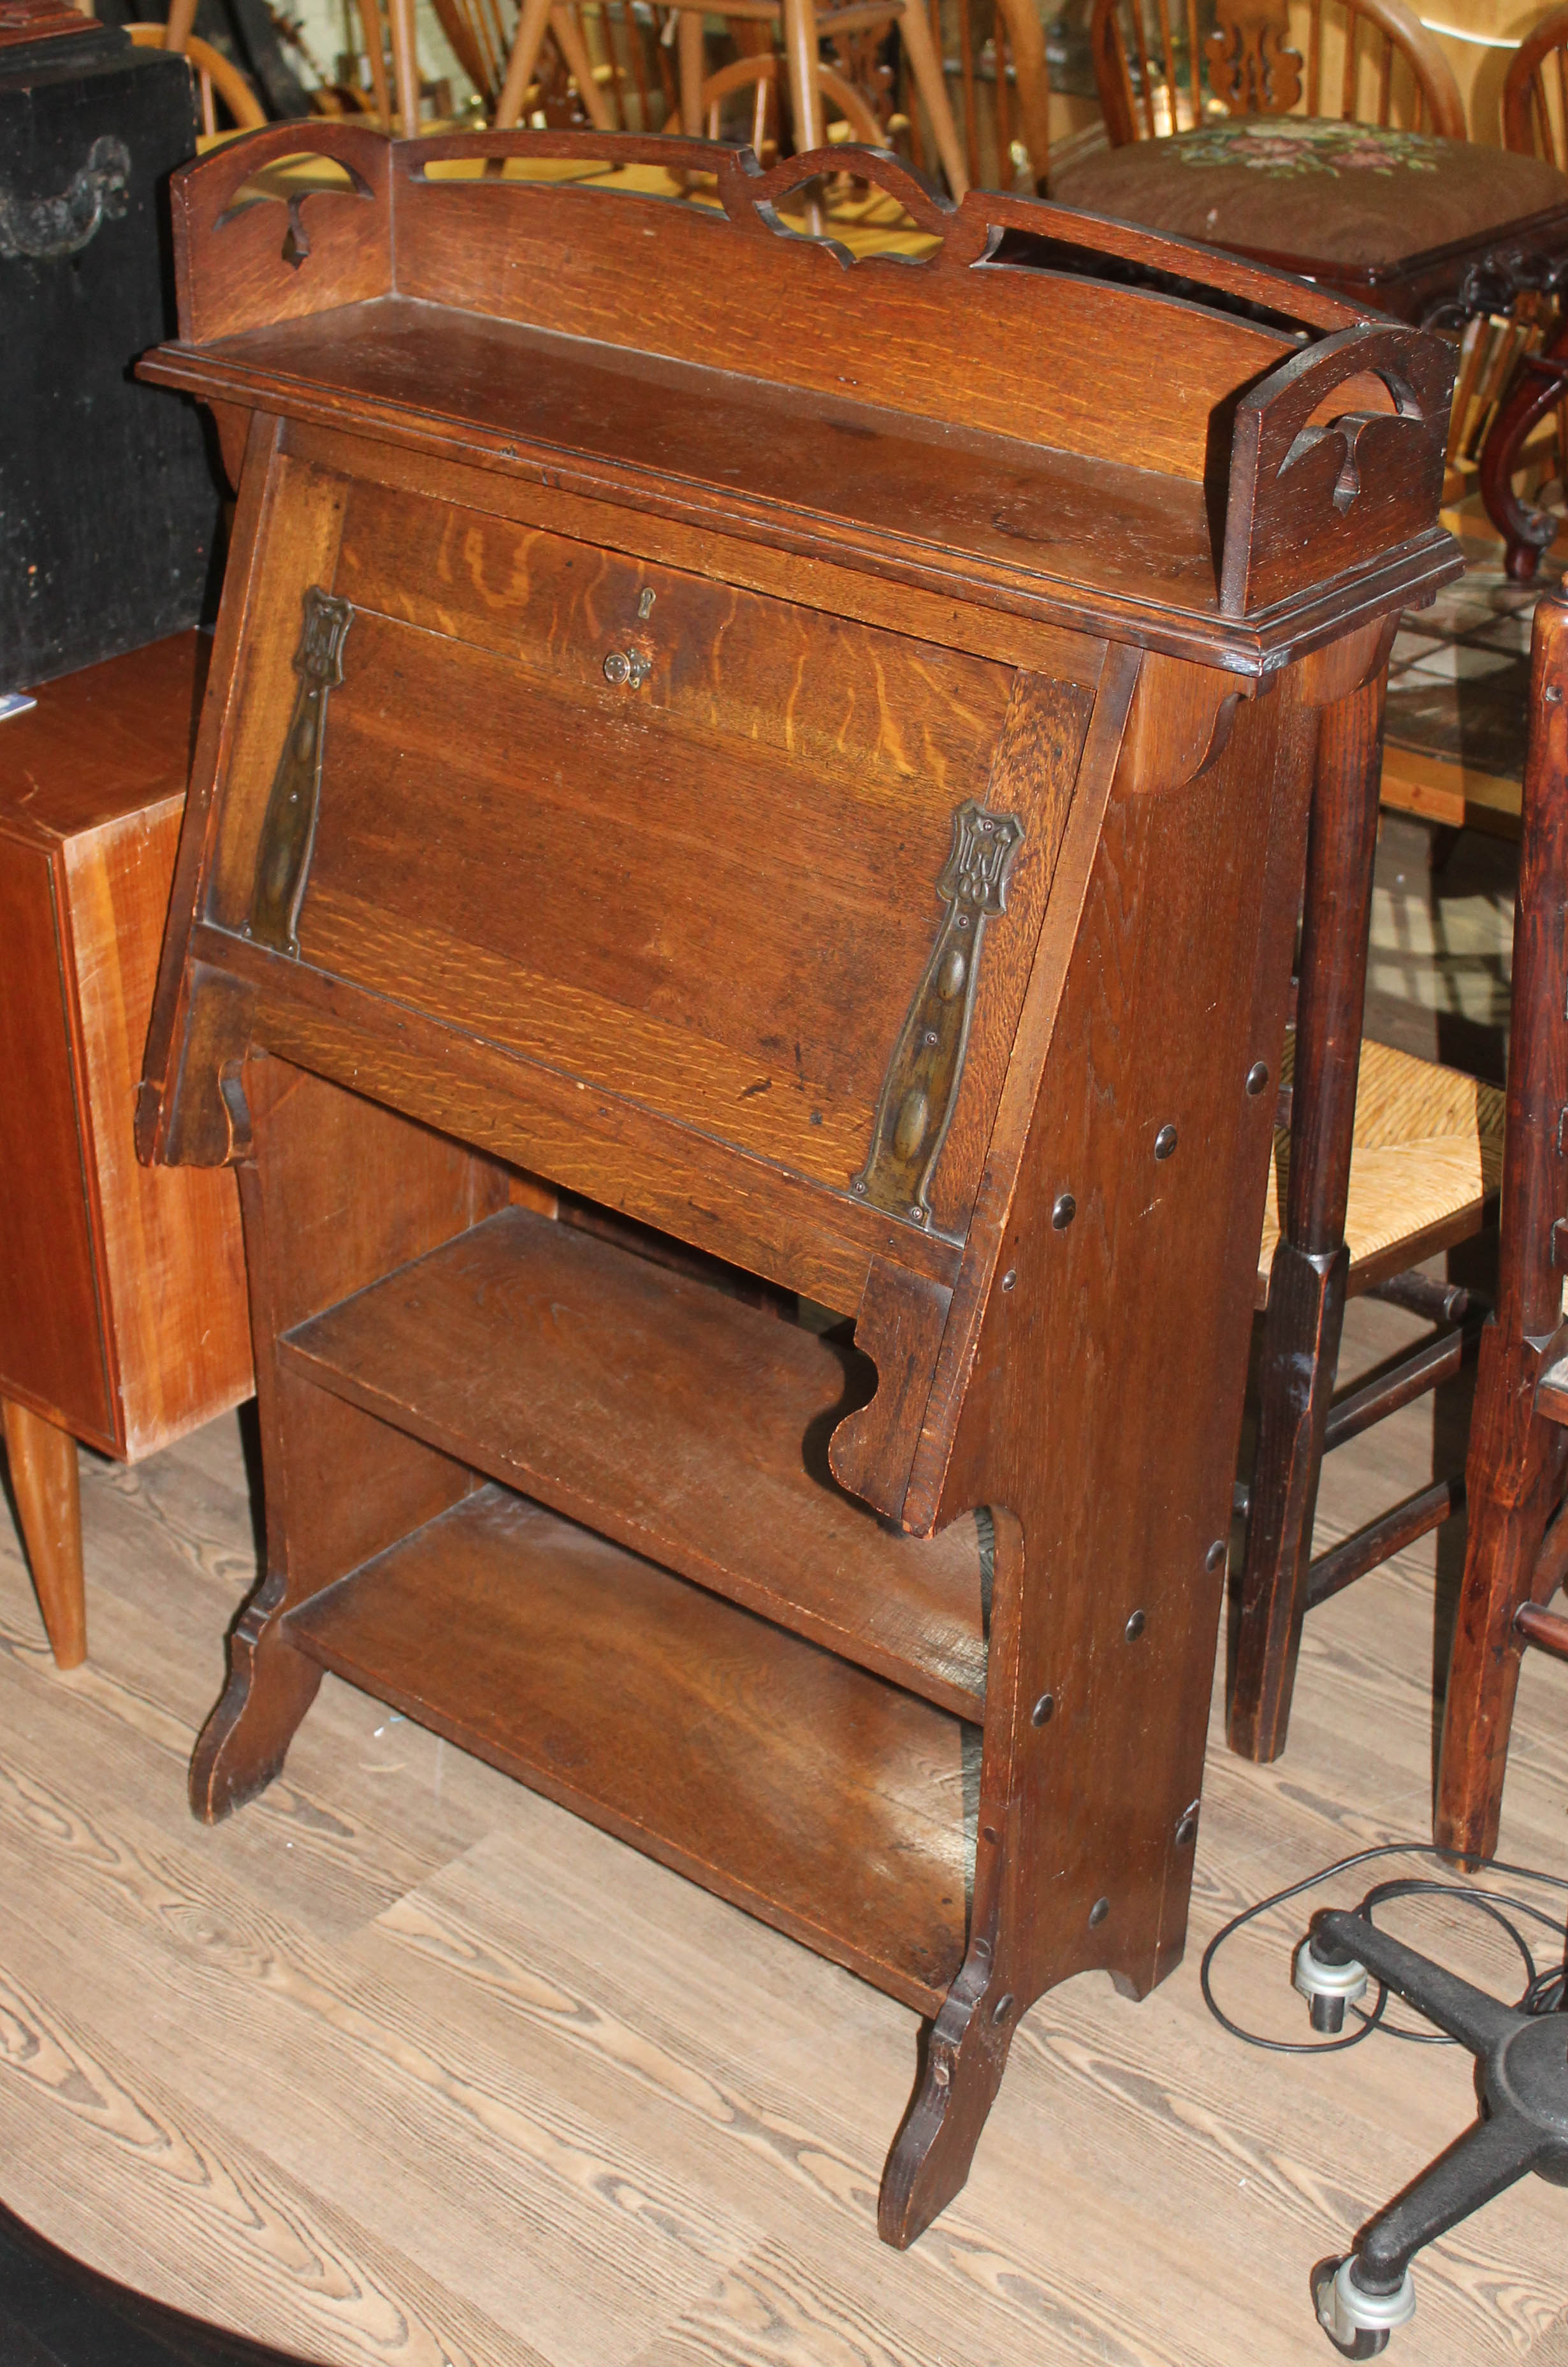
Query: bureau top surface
x=604, y=420
x=103, y=742
x=1030, y=408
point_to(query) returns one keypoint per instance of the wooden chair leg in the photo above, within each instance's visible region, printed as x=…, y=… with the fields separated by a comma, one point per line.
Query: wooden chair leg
x=522, y=63
x=44, y=1477
x=800, y=64
x=1026, y=40
x=1514, y=1476
x=405, y=66
x=915, y=32
x=1306, y=1289
x=574, y=49
x=689, y=54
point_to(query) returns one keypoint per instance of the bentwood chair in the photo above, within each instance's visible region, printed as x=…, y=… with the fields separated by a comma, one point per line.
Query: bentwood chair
x=1516, y=1553
x=218, y=82
x=1535, y=93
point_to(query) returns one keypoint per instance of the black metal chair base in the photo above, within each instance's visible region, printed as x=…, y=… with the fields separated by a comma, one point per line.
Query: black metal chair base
x=1523, y=2124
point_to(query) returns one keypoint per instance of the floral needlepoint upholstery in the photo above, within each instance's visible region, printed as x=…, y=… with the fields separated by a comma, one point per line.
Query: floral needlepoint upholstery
x=1286, y=143
x=1296, y=190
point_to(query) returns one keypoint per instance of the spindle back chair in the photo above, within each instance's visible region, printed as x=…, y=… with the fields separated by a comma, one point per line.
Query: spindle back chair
x=1535, y=94
x=1363, y=61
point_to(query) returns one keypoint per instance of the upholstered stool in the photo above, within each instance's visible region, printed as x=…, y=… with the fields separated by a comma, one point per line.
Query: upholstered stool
x=1388, y=218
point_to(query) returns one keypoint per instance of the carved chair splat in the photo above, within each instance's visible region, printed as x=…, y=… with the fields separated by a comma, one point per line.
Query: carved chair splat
x=640, y=754
x=1151, y=70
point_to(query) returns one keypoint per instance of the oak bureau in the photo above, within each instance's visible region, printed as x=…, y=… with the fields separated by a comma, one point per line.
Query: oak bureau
x=732, y=772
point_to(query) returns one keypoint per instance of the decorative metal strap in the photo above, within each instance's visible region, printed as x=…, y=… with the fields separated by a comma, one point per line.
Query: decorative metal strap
x=288, y=829
x=922, y=1084
x=46, y=230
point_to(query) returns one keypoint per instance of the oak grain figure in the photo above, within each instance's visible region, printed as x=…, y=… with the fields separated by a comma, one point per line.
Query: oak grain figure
x=732, y=622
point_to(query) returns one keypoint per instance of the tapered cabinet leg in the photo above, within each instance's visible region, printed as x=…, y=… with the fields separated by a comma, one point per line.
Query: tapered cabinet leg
x=45, y=1477
x=1306, y=1293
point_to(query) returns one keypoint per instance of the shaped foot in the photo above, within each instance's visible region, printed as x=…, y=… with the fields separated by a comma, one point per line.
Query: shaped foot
x=270, y=1687
x=965, y=2056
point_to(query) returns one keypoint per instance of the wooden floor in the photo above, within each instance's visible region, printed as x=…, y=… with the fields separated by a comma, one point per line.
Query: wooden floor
x=403, y=2064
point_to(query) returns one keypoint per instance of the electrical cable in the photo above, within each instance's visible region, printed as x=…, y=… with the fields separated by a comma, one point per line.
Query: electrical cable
x=1543, y=1991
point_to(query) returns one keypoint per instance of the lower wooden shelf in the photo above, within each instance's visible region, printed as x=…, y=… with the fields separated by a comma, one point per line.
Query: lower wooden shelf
x=660, y=1412
x=822, y=1800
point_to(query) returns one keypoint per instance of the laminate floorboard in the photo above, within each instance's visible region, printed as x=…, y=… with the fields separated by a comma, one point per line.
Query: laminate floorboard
x=404, y=2064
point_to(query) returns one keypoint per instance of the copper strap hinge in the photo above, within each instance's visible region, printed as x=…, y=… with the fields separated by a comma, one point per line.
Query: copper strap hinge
x=289, y=827
x=920, y=1087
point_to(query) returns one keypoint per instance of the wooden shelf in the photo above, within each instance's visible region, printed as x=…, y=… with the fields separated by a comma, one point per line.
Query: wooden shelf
x=824, y=1801
x=1000, y=504
x=690, y=1428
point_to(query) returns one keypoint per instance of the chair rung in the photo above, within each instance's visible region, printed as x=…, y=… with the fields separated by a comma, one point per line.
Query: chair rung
x=1439, y=1302
x=1542, y=1628
x=1426, y=1367
x=1332, y=1572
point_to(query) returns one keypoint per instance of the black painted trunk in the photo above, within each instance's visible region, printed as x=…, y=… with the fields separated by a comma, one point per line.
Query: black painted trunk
x=109, y=503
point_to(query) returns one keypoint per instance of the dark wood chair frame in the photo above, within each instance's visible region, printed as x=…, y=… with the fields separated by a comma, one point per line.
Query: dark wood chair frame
x=1299, y=1419
x=1517, y=1551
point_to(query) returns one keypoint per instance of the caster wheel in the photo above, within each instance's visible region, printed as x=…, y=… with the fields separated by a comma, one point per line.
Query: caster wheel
x=1358, y=2323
